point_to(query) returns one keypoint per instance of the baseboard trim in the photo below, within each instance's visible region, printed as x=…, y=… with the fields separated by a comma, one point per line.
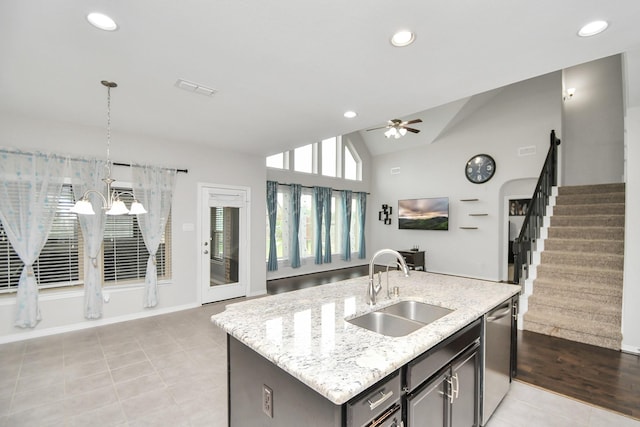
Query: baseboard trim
x=92, y=323
x=629, y=349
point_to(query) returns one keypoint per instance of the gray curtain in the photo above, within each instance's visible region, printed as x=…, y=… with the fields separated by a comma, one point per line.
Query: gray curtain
x=272, y=209
x=362, y=210
x=296, y=192
x=322, y=198
x=346, y=196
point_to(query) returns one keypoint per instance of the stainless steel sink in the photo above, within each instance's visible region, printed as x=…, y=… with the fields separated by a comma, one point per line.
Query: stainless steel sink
x=401, y=318
x=386, y=324
x=418, y=311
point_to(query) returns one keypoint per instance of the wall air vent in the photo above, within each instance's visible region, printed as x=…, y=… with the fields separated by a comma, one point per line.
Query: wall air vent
x=395, y=171
x=194, y=87
x=527, y=151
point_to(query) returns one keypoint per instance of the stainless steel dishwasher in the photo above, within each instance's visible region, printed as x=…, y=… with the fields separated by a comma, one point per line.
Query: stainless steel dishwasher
x=496, y=357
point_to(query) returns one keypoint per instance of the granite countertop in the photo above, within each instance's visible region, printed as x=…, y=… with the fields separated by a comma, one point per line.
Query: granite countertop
x=305, y=333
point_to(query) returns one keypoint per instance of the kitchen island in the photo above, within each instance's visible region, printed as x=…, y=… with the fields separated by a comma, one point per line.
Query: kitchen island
x=306, y=335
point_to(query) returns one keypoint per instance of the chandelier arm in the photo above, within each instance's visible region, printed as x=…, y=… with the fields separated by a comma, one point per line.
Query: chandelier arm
x=86, y=194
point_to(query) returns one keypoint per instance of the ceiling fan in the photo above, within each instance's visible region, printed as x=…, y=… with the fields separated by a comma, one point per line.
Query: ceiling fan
x=397, y=128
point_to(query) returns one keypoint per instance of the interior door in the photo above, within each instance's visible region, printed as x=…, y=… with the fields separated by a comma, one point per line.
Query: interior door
x=223, y=248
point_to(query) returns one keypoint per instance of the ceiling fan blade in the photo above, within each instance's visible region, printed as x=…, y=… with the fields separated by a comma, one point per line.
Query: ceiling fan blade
x=381, y=127
x=412, y=130
x=410, y=122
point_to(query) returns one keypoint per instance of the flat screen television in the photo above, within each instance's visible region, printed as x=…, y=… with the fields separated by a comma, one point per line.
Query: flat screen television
x=424, y=214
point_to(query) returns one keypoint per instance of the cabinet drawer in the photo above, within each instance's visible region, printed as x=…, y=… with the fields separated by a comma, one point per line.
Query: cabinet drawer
x=426, y=365
x=374, y=401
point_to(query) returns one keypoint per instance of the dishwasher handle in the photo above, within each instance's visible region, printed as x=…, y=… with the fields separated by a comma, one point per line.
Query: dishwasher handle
x=497, y=315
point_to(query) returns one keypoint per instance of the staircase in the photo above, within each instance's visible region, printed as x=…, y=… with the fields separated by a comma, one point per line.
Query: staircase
x=577, y=292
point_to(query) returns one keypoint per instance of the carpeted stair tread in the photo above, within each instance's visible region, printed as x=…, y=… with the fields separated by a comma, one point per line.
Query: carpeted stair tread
x=607, y=338
x=587, y=221
x=589, y=233
x=599, y=296
x=584, y=325
x=591, y=291
x=618, y=187
x=602, y=311
x=588, y=199
x=589, y=209
x=579, y=274
x=581, y=259
x=583, y=245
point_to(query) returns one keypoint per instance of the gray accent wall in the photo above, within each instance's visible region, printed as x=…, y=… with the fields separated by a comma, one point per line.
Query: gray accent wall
x=593, y=130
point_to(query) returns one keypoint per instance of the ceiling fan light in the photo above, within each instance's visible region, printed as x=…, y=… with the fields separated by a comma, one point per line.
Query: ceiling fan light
x=403, y=38
x=402, y=132
x=390, y=132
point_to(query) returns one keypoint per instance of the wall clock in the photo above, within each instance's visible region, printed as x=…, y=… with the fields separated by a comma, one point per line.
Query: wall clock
x=480, y=168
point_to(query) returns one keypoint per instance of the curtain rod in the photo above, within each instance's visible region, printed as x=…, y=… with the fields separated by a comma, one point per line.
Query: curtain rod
x=129, y=165
x=7, y=150
x=333, y=189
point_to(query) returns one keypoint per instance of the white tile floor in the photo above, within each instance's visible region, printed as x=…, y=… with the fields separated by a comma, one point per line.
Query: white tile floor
x=169, y=370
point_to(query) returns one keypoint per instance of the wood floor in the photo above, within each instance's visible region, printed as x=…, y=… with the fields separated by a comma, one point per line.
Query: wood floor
x=601, y=377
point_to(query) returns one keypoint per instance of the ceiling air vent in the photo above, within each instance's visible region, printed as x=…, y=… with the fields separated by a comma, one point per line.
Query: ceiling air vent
x=194, y=87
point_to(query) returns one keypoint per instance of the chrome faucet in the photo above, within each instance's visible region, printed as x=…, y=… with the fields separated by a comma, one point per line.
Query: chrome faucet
x=373, y=289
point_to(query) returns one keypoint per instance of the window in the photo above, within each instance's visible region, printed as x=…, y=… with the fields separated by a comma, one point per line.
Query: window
x=352, y=164
x=303, y=159
x=306, y=233
x=61, y=261
x=217, y=236
x=329, y=157
x=276, y=161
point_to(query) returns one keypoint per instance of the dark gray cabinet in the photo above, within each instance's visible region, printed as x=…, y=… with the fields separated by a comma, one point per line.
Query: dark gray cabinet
x=450, y=399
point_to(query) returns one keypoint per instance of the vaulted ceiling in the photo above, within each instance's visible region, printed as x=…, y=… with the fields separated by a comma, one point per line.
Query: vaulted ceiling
x=285, y=71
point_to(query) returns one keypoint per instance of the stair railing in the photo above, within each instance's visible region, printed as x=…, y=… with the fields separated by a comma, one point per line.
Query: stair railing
x=533, y=220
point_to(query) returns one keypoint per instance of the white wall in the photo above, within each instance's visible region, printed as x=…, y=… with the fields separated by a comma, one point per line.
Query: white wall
x=631, y=291
x=593, y=130
x=521, y=115
x=62, y=310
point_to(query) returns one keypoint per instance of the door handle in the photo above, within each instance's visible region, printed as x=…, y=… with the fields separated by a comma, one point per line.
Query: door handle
x=205, y=252
x=456, y=388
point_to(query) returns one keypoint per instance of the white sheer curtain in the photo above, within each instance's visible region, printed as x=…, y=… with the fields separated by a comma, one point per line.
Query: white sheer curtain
x=87, y=175
x=29, y=194
x=153, y=187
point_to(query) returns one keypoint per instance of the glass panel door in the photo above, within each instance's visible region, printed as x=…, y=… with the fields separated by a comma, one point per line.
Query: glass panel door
x=223, y=251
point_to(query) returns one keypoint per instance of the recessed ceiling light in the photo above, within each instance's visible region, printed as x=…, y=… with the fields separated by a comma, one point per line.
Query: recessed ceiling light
x=593, y=28
x=403, y=38
x=102, y=21
x=350, y=114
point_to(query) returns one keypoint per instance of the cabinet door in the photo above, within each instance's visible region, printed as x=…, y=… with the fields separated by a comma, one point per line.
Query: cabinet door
x=427, y=407
x=465, y=385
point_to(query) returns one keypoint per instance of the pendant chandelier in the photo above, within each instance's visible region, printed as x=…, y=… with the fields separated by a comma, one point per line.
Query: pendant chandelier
x=111, y=203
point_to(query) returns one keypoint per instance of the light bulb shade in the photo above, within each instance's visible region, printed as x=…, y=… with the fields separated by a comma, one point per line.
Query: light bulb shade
x=118, y=208
x=402, y=132
x=137, y=208
x=82, y=207
x=389, y=133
